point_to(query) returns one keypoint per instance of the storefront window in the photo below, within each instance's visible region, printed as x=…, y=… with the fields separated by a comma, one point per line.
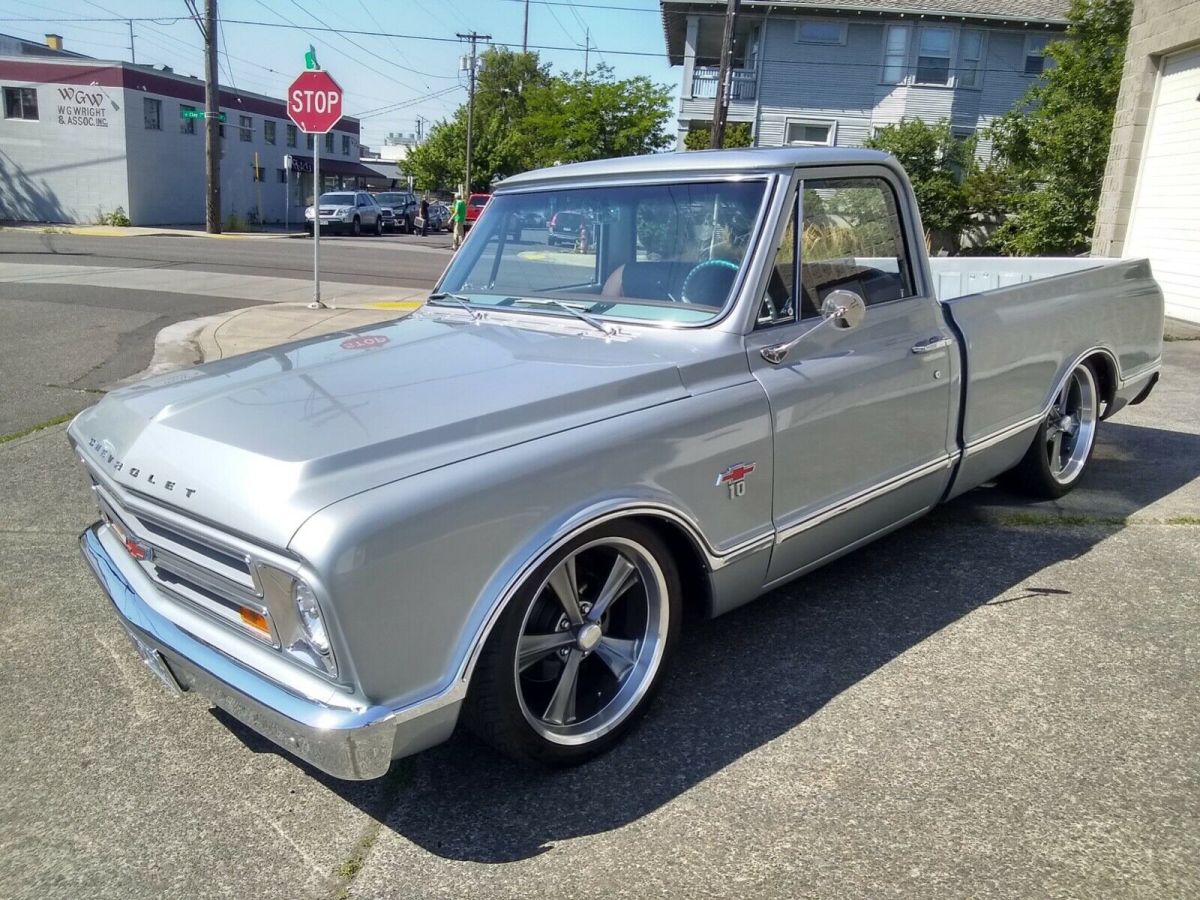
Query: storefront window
x=20, y=103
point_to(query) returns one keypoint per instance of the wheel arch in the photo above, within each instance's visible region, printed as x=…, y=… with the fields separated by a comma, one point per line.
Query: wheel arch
x=694, y=557
x=1108, y=376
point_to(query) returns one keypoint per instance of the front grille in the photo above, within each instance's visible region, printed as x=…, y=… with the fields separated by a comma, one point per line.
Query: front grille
x=187, y=565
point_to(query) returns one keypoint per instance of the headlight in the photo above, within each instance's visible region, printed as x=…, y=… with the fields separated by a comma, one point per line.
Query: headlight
x=346, y=213
x=295, y=612
x=310, y=617
x=308, y=213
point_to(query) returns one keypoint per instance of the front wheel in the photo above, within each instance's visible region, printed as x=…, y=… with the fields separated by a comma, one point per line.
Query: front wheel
x=577, y=655
x=356, y=228
x=1065, y=440
x=378, y=227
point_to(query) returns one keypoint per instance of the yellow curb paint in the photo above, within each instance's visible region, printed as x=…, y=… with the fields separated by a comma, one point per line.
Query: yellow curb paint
x=397, y=304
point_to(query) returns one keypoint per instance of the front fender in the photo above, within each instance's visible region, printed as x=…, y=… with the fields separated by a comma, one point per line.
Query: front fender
x=417, y=570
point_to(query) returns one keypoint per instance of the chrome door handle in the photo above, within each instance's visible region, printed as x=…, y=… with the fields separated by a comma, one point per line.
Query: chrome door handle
x=934, y=343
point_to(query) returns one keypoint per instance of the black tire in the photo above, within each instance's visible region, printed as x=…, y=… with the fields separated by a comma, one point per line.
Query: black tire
x=496, y=708
x=378, y=227
x=1034, y=475
x=356, y=228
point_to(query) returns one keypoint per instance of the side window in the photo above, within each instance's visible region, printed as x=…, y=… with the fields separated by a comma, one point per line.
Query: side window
x=779, y=299
x=852, y=238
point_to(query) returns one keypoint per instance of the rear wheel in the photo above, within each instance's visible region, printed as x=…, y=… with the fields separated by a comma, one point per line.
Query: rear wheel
x=378, y=227
x=577, y=655
x=1065, y=440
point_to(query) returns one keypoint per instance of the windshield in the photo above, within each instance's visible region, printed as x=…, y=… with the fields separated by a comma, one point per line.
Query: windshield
x=337, y=199
x=390, y=198
x=668, y=253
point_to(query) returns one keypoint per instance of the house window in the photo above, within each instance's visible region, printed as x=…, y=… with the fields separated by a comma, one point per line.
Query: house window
x=245, y=128
x=291, y=135
x=329, y=142
x=20, y=103
x=1035, y=53
x=282, y=175
x=186, y=125
x=152, y=113
x=259, y=172
x=345, y=145
x=810, y=32
x=895, y=54
x=811, y=132
x=970, y=52
x=269, y=130
x=933, y=56
x=309, y=139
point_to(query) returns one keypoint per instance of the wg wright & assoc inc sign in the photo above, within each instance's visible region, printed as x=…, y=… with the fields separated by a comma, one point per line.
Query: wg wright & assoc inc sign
x=82, y=107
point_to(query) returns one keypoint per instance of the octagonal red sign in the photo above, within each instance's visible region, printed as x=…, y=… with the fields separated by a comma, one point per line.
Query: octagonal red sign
x=314, y=102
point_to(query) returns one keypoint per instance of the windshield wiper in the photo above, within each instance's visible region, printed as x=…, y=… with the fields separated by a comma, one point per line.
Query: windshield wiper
x=461, y=301
x=579, y=314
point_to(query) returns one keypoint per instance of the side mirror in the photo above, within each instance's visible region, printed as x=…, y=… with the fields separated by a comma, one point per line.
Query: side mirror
x=845, y=309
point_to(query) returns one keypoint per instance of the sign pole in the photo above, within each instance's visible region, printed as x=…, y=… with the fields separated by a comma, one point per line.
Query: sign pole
x=316, y=303
x=287, y=192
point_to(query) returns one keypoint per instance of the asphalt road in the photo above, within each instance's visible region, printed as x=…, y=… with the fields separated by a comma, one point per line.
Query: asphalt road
x=998, y=701
x=61, y=344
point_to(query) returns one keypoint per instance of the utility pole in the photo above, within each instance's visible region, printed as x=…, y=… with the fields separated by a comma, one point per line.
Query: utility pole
x=132, y=52
x=587, y=46
x=525, y=33
x=212, y=120
x=721, y=105
x=473, y=37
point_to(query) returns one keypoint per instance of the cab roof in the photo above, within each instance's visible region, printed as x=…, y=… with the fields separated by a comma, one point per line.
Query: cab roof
x=717, y=162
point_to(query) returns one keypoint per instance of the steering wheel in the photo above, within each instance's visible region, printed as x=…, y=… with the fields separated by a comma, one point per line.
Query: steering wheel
x=708, y=283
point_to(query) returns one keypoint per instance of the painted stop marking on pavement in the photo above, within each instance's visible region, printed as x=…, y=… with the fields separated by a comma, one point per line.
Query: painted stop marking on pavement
x=314, y=102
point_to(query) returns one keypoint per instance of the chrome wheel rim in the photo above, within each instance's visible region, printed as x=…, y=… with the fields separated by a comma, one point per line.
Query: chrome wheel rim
x=591, y=641
x=1071, y=426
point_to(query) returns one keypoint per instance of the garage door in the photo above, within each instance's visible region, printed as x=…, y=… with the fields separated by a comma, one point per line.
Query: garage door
x=1165, y=222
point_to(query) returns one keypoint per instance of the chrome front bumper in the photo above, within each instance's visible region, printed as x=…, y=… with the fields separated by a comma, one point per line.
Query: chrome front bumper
x=350, y=742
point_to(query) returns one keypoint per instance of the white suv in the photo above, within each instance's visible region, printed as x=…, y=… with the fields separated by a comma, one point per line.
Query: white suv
x=347, y=212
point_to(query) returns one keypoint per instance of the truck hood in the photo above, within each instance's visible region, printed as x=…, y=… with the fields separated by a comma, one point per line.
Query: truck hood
x=258, y=443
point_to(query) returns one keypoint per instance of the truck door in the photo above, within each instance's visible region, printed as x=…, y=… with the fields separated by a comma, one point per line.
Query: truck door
x=862, y=416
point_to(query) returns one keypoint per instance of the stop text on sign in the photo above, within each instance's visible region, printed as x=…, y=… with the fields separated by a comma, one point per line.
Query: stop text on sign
x=319, y=102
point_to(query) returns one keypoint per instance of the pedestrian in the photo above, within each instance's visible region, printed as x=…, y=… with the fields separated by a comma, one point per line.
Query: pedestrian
x=459, y=217
x=424, y=217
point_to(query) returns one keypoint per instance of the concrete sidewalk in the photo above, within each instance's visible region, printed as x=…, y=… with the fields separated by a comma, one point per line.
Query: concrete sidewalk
x=147, y=231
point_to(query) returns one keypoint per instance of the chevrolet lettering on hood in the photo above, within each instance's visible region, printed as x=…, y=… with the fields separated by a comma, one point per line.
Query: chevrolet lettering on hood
x=104, y=451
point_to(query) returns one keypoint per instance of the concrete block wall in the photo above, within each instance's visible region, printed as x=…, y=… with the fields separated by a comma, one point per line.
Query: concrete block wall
x=70, y=164
x=1158, y=27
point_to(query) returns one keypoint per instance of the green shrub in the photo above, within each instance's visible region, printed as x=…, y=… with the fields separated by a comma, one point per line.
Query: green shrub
x=116, y=218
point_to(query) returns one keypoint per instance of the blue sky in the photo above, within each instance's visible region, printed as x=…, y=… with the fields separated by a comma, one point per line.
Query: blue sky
x=266, y=59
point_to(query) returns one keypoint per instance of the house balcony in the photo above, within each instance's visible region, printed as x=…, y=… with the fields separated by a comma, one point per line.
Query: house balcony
x=704, y=84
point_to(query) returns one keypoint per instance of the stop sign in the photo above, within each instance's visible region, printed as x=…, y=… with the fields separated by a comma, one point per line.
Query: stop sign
x=314, y=102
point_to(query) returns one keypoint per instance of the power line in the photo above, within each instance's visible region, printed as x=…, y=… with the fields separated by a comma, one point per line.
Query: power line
x=656, y=54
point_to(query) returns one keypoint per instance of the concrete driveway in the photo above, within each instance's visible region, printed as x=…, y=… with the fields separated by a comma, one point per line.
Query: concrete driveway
x=999, y=701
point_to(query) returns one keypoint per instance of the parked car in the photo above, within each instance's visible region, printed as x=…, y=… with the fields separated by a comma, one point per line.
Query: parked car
x=347, y=212
x=499, y=509
x=439, y=217
x=565, y=228
x=475, y=205
x=403, y=207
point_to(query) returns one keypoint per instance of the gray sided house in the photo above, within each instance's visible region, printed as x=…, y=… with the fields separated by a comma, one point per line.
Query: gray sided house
x=813, y=73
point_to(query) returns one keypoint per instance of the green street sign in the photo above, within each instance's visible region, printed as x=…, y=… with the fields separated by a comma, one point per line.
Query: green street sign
x=197, y=114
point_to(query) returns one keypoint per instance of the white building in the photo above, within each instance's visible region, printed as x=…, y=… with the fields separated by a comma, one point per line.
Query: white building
x=82, y=137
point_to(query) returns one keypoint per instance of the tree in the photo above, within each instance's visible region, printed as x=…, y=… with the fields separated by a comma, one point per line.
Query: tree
x=578, y=117
x=1051, y=150
x=506, y=79
x=526, y=118
x=940, y=166
x=737, y=134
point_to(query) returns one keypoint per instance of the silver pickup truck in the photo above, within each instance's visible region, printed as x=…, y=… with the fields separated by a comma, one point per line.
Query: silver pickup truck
x=498, y=510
